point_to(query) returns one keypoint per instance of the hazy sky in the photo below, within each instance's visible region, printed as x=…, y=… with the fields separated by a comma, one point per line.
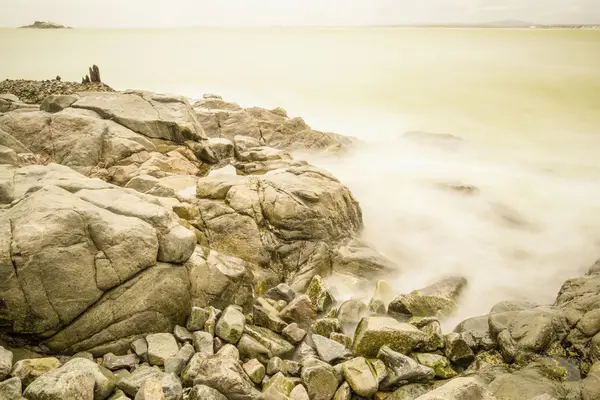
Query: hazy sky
x=171, y=13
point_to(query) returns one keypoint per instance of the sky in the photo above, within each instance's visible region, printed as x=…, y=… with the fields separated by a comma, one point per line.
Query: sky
x=187, y=13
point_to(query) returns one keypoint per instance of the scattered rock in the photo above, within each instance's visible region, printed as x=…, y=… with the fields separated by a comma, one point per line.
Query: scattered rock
x=293, y=333
x=6, y=363
x=439, y=364
x=114, y=362
x=29, y=370
x=319, y=380
x=230, y=326
x=319, y=295
x=160, y=347
x=435, y=300
x=330, y=351
x=402, y=369
x=374, y=332
x=360, y=376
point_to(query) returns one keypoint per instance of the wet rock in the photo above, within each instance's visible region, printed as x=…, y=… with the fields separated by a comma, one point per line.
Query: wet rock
x=330, y=351
x=326, y=326
x=230, y=326
x=402, y=369
x=301, y=311
x=293, y=333
x=461, y=389
x=6, y=363
x=435, y=300
x=374, y=332
x=203, y=392
x=360, y=376
x=203, y=343
x=440, y=364
x=319, y=295
x=319, y=380
x=457, y=350
x=29, y=370
x=432, y=328
x=114, y=362
x=160, y=347
x=78, y=378
x=281, y=292
x=267, y=316
x=10, y=389
x=255, y=370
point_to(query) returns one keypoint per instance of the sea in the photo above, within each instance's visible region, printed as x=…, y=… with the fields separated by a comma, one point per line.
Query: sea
x=498, y=179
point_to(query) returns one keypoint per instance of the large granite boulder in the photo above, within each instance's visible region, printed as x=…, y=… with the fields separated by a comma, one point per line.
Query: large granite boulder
x=149, y=114
x=287, y=221
x=78, y=254
x=272, y=127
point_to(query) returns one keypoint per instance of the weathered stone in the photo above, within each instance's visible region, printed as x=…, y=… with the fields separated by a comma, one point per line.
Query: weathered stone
x=140, y=347
x=432, y=328
x=439, y=364
x=374, y=332
x=203, y=392
x=10, y=389
x=219, y=280
x=203, y=343
x=281, y=292
x=278, y=384
x=197, y=319
x=274, y=366
x=330, y=351
x=160, y=347
x=6, y=363
x=223, y=372
x=29, y=370
x=434, y=300
x=344, y=392
x=589, y=324
x=326, y=326
x=402, y=369
x=342, y=339
x=505, y=306
x=360, y=376
x=475, y=332
x=175, y=365
x=457, y=350
x=461, y=389
x=230, y=326
x=113, y=362
x=77, y=379
x=267, y=316
x=255, y=370
x=293, y=333
x=251, y=348
x=350, y=313
x=299, y=393
x=319, y=380
x=182, y=334
x=534, y=380
x=274, y=342
x=85, y=355
x=319, y=295
x=301, y=311
x=132, y=384
x=290, y=368
x=151, y=390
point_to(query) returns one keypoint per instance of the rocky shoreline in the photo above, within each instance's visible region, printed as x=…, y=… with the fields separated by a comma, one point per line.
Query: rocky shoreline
x=155, y=249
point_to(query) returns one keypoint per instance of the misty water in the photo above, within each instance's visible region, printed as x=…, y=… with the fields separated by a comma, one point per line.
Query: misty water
x=525, y=104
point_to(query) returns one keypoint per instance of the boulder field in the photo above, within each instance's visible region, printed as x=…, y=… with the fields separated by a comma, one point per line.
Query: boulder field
x=155, y=249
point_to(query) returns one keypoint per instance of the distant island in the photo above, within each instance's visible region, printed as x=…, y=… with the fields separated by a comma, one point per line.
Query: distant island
x=45, y=25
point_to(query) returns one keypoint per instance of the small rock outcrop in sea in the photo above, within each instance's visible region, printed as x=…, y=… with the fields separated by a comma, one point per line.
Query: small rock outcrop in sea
x=143, y=258
x=45, y=25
